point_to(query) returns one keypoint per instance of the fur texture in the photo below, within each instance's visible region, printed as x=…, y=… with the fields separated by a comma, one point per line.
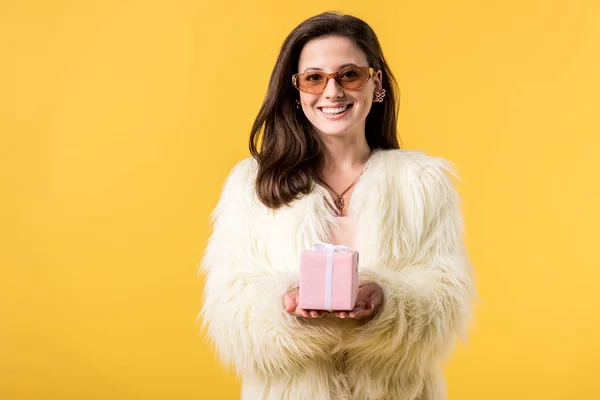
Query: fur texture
x=409, y=236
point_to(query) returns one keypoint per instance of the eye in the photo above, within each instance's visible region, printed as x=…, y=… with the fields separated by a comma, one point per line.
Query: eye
x=349, y=74
x=313, y=77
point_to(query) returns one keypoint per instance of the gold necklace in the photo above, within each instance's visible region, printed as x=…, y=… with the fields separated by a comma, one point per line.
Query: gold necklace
x=339, y=201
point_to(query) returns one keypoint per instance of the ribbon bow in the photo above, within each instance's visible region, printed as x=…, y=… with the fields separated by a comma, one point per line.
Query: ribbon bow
x=322, y=246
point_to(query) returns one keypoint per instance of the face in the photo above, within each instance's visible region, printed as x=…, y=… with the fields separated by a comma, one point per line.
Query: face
x=347, y=109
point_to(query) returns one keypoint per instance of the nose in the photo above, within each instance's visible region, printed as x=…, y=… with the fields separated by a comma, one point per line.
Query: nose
x=332, y=89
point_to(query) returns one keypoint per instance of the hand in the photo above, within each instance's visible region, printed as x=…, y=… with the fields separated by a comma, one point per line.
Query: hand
x=368, y=301
x=290, y=302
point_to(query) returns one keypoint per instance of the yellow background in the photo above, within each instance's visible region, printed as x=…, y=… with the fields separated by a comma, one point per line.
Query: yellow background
x=120, y=120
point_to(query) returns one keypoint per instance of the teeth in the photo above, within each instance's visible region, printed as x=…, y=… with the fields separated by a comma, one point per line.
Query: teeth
x=333, y=111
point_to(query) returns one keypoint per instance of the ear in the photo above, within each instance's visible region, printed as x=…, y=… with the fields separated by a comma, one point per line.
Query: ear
x=378, y=80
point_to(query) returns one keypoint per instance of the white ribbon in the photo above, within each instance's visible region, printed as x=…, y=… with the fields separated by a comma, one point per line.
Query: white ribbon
x=330, y=249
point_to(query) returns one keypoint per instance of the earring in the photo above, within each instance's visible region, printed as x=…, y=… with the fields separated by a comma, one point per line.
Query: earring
x=379, y=96
x=297, y=104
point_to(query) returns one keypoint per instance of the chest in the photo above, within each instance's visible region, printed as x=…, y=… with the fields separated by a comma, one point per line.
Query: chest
x=312, y=218
x=343, y=231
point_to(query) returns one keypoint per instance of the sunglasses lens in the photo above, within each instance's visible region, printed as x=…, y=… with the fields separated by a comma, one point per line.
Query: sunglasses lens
x=353, y=77
x=311, y=82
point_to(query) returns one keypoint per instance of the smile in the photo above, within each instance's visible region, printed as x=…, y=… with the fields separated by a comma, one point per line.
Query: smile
x=335, y=112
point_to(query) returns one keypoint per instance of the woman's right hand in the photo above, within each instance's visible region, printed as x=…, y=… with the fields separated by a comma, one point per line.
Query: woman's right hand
x=290, y=302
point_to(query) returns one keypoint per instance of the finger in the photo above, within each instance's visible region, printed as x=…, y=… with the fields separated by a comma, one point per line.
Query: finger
x=314, y=314
x=288, y=304
x=301, y=312
x=362, y=314
x=360, y=306
x=360, y=309
x=323, y=313
x=356, y=312
x=365, y=311
x=291, y=306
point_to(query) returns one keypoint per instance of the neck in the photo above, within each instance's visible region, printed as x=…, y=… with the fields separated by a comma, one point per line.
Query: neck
x=345, y=154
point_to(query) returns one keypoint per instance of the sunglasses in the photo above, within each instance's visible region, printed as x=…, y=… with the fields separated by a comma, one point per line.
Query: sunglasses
x=350, y=78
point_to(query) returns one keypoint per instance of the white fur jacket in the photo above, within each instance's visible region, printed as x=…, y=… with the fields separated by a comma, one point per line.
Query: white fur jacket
x=409, y=237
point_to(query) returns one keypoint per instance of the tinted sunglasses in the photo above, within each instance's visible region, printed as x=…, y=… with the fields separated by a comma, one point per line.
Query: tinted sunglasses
x=350, y=78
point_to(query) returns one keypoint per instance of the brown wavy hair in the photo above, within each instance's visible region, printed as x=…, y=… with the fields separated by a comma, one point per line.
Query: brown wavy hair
x=291, y=150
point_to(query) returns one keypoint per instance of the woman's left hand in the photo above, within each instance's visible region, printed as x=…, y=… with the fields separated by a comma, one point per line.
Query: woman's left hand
x=368, y=301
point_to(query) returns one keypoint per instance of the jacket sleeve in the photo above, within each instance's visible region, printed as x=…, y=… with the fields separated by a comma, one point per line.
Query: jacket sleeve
x=243, y=313
x=426, y=302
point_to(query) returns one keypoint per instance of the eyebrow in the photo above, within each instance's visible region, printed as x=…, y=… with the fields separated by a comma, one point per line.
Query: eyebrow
x=341, y=66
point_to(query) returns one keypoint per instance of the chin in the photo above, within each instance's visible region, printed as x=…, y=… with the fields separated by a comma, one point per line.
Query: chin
x=329, y=131
x=337, y=129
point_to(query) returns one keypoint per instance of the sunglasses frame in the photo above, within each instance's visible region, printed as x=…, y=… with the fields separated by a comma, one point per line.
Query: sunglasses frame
x=333, y=75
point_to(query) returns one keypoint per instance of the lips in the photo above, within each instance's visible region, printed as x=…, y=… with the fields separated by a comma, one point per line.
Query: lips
x=336, y=109
x=335, y=106
x=335, y=112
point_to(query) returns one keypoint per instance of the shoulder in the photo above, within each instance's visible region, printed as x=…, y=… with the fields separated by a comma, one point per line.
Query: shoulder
x=398, y=165
x=241, y=177
x=243, y=170
x=237, y=191
x=423, y=182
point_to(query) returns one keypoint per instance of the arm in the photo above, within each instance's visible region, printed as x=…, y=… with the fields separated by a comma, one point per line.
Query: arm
x=426, y=301
x=243, y=311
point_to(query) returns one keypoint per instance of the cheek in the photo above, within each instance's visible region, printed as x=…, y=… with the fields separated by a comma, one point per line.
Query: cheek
x=366, y=97
x=308, y=100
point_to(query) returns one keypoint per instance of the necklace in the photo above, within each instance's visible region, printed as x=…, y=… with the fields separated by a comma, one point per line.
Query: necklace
x=339, y=201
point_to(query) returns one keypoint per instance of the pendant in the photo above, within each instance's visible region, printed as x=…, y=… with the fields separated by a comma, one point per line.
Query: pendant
x=339, y=203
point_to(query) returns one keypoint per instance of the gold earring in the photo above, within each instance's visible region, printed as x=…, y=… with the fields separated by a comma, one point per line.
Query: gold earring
x=297, y=104
x=379, y=96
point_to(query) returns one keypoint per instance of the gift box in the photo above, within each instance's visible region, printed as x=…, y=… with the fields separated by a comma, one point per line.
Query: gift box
x=328, y=277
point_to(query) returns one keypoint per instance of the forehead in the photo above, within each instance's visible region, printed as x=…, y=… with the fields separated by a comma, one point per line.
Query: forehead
x=328, y=53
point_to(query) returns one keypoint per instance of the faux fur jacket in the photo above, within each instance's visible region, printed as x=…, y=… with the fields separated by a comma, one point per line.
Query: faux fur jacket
x=409, y=237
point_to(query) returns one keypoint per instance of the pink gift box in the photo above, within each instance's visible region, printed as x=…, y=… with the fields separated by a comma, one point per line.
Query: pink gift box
x=328, y=278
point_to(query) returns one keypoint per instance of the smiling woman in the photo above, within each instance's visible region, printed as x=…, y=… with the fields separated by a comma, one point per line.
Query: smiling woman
x=330, y=169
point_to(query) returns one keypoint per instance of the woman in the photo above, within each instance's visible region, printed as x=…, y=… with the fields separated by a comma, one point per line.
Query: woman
x=330, y=169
